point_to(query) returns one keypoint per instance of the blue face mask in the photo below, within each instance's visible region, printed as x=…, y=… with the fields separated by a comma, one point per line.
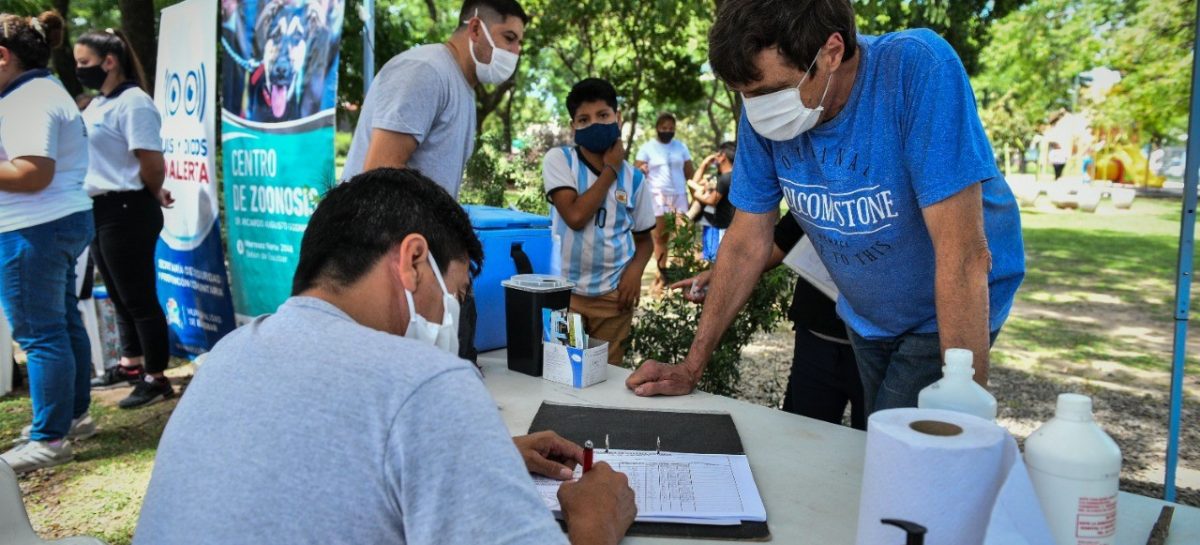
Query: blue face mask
x=598, y=137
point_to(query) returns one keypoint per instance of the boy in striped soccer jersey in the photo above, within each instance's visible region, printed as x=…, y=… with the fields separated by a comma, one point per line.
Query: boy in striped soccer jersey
x=600, y=215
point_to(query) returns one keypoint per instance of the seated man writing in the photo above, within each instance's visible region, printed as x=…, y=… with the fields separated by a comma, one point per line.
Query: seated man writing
x=402, y=444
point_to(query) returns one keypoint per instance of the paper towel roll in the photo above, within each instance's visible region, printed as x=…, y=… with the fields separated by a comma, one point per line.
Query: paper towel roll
x=958, y=475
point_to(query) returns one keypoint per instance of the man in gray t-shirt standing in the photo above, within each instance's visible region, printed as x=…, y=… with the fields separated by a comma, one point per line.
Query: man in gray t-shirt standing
x=342, y=419
x=420, y=111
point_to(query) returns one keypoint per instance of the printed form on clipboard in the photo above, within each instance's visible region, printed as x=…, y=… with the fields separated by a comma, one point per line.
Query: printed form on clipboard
x=803, y=259
x=680, y=488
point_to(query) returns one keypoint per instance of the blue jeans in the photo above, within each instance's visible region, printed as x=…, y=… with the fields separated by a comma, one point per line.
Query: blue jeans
x=711, y=241
x=37, y=291
x=894, y=370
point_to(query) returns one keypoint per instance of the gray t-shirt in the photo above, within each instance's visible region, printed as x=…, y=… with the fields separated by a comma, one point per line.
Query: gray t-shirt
x=421, y=92
x=306, y=427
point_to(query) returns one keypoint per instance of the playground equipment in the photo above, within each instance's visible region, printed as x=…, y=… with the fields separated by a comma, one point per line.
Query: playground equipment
x=1125, y=164
x=1070, y=194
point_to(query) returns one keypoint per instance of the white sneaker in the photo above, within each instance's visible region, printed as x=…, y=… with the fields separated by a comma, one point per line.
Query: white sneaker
x=37, y=455
x=81, y=428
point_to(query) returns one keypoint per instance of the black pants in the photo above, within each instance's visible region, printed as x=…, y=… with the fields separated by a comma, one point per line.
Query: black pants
x=127, y=227
x=1058, y=170
x=467, y=316
x=824, y=378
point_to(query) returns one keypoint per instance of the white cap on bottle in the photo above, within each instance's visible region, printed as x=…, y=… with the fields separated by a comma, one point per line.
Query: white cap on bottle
x=959, y=361
x=1074, y=407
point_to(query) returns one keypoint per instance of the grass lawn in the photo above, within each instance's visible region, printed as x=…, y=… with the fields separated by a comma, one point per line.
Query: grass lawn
x=1099, y=291
x=100, y=494
x=1095, y=309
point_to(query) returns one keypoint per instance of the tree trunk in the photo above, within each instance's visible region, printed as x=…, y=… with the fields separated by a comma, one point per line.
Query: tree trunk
x=63, y=57
x=712, y=116
x=138, y=18
x=507, y=117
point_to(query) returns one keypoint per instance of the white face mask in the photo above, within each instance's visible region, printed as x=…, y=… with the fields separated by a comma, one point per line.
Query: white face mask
x=443, y=335
x=782, y=115
x=504, y=62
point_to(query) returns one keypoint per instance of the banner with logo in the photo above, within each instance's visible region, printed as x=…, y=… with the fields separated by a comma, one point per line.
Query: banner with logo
x=192, y=286
x=279, y=85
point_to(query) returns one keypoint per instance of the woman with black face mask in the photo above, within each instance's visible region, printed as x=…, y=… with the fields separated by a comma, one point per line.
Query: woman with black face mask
x=668, y=166
x=125, y=181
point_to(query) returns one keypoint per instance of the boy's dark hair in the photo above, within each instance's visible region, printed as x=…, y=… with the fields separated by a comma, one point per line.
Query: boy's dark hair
x=665, y=116
x=359, y=221
x=30, y=39
x=113, y=42
x=799, y=28
x=728, y=149
x=591, y=90
x=488, y=9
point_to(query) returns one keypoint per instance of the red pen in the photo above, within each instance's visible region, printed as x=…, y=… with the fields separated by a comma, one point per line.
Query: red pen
x=587, y=456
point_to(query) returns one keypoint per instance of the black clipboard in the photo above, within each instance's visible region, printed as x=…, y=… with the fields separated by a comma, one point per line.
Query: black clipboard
x=698, y=433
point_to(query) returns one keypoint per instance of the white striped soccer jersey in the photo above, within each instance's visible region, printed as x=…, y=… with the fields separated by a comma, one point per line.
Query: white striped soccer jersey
x=595, y=257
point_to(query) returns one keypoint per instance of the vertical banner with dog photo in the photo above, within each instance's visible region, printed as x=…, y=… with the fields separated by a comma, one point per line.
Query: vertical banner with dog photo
x=279, y=85
x=192, y=285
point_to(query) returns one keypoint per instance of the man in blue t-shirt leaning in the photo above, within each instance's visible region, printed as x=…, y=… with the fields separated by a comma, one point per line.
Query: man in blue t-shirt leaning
x=875, y=144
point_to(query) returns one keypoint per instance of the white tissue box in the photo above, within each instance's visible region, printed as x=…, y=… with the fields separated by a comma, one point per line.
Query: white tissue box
x=576, y=367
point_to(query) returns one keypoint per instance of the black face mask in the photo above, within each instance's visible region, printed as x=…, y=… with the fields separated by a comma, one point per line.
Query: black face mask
x=91, y=77
x=666, y=136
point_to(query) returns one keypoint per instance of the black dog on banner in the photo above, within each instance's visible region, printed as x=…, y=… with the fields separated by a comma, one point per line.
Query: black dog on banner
x=293, y=44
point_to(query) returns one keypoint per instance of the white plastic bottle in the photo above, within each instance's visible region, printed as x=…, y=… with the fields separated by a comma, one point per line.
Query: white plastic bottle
x=1075, y=468
x=956, y=391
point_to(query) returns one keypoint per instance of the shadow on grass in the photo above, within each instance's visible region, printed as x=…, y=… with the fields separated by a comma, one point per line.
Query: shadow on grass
x=1049, y=340
x=1101, y=261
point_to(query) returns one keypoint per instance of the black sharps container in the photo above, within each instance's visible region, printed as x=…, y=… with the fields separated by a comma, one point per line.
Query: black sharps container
x=525, y=295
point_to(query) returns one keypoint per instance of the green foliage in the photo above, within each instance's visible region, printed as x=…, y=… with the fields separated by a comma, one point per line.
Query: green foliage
x=399, y=25
x=1034, y=55
x=666, y=326
x=1153, y=52
x=487, y=173
x=963, y=23
x=493, y=171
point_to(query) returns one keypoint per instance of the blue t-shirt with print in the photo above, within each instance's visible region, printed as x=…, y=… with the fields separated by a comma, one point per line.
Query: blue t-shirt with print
x=909, y=137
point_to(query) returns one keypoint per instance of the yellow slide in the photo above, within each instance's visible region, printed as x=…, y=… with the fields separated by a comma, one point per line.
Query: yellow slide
x=1125, y=164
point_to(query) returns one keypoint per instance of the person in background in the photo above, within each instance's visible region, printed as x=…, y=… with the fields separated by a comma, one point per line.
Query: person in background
x=45, y=224
x=667, y=164
x=824, y=375
x=602, y=213
x=718, y=211
x=404, y=444
x=125, y=181
x=420, y=110
x=855, y=132
x=1058, y=158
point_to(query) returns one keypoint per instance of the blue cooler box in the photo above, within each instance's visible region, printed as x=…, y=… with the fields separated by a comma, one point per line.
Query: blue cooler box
x=513, y=243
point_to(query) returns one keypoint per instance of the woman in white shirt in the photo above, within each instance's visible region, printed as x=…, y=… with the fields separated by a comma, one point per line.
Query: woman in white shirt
x=45, y=224
x=667, y=164
x=125, y=181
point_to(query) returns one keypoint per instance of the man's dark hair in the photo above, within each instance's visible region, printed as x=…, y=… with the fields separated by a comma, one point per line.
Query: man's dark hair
x=359, y=221
x=799, y=28
x=665, y=116
x=489, y=9
x=591, y=90
x=728, y=149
